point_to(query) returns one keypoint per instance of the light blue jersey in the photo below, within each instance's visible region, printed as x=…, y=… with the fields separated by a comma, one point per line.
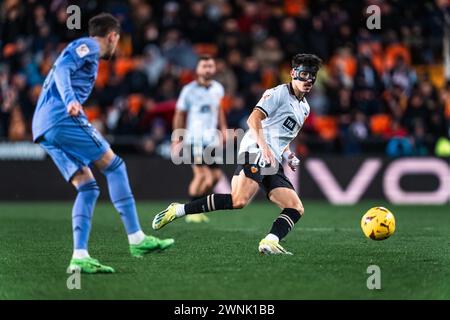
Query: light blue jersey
x=71, y=141
x=71, y=78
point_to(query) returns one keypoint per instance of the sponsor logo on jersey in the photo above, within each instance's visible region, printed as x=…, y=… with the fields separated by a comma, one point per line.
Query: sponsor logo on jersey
x=205, y=108
x=289, y=123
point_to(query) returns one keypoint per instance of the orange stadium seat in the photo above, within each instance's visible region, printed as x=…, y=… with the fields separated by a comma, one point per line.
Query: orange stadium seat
x=9, y=50
x=135, y=102
x=326, y=127
x=380, y=123
x=434, y=72
x=103, y=74
x=269, y=78
x=226, y=103
x=394, y=51
x=294, y=7
x=186, y=76
x=92, y=112
x=123, y=66
x=347, y=64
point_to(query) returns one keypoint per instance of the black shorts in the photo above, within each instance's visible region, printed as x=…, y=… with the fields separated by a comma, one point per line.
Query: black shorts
x=267, y=182
x=198, y=156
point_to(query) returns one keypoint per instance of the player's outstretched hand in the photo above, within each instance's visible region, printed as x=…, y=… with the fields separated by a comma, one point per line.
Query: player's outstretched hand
x=293, y=161
x=268, y=157
x=74, y=108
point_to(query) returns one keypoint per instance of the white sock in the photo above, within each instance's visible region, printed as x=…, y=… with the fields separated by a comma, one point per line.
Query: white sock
x=272, y=237
x=80, y=254
x=137, y=237
x=180, y=210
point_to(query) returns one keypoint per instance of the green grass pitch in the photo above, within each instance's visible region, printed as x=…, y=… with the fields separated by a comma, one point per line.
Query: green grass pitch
x=219, y=260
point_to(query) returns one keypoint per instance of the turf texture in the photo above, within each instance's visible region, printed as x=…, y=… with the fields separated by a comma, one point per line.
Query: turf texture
x=219, y=259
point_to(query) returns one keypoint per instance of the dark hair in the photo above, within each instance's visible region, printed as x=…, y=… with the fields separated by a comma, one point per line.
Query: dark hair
x=306, y=59
x=102, y=24
x=204, y=57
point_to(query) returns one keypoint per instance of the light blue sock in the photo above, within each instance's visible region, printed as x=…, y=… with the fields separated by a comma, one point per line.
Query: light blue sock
x=120, y=194
x=82, y=211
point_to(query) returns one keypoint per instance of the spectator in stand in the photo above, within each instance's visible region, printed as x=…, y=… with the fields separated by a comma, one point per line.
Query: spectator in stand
x=393, y=74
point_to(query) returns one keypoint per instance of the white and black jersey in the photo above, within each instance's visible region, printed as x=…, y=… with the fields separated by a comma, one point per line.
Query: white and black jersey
x=202, y=105
x=285, y=116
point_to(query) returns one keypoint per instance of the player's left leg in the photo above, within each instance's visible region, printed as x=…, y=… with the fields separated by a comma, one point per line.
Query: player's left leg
x=206, y=187
x=292, y=210
x=196, y=182
x=114, y=169
x=212, y=175
x=217, y=174
x=197, y=190
x=88, y=192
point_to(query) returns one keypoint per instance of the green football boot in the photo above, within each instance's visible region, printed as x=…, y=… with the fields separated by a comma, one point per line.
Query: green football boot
x=89, y=265
x=149, y=244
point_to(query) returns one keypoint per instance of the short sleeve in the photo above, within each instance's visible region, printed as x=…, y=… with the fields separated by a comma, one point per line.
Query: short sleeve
x=268, y=102
x=221, y=91
x=182, y=102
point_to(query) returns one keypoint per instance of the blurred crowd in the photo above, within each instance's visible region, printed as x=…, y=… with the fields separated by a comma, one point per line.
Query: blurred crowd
x=381, y=90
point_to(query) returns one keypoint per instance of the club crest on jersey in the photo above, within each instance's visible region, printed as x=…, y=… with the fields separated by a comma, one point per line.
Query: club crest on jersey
x=289, y=123
x=82, y=50
x=266, y=96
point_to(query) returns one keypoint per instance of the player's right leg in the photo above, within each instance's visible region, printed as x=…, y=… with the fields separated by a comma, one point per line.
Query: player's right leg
x=242, y=191
x=83, y=180
x=88, y=192
x=86, y=146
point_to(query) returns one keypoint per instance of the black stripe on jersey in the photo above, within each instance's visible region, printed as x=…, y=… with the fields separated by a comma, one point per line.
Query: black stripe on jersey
x=263, y=111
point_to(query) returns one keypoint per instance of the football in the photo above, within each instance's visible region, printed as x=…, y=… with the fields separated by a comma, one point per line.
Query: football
x=378, y=223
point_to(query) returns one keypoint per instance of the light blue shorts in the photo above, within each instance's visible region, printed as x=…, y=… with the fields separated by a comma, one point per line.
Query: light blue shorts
x=73, y=144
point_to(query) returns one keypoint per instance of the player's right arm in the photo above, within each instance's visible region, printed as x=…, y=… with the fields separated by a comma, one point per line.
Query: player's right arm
x=255, y=126
x=179, y=118
x=265, y=107
x=179, y=122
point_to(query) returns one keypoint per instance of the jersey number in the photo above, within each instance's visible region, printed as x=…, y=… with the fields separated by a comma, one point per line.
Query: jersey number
x=49, y=77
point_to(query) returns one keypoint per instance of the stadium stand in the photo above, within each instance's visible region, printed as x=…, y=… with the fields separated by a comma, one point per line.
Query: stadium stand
x=380, y=89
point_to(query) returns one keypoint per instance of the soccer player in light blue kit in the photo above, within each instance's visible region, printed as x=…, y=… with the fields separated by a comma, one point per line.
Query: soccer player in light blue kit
x=62, y=129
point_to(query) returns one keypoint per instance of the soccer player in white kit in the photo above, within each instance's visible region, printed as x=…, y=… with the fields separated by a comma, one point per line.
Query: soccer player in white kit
x=273, y=124
x=198, y=110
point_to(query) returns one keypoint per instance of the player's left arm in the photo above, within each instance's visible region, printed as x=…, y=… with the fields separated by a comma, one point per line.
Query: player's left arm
x=74, y=58
x=62, y=73
x=290, y=157
x=223, y=123
x=222, y=116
